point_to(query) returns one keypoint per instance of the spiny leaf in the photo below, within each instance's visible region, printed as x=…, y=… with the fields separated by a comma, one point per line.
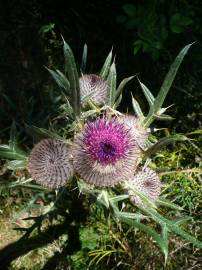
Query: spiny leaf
x=60, y=79
x=163, y=117
x=118, y=198
x=150, y=98
x=42, y=133
x=84, y=58
x=161, y=241
x=137, y=108
x=167, y=203
x=16, y=164
x=11, y=153
x=163, y=142
x=118, y=101
x=136, y=216
x=103, y=198
x=71, y=71
x=166, y=86
x=122, y=85
x=106, y=67
x=111, y=80
x=172, y=226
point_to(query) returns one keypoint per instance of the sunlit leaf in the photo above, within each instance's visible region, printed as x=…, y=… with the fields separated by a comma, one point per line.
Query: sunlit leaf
x=166, y=86
x=137, y=108
x=122, y=85
x=150, y=98
x=16, y=164
x=72, y=73
x=111, y=80
x=163, y=142
x=106, y=67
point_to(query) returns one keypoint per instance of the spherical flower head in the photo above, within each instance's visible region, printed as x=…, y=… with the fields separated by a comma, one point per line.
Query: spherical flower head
x=50, y=163
x=104, y=152
x=95, y=85
x=147, y=182
x=139, y=133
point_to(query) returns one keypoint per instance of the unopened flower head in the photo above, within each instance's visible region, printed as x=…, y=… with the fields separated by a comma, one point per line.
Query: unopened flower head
x=147, y=182
x=50, y=163
x=139, y=133
x=95, y=85
x=104, y=152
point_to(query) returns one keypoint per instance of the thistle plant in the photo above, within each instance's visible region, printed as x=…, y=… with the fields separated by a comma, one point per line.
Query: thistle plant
x=107, y=154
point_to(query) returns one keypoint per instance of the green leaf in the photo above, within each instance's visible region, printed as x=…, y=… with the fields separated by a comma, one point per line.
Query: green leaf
x=118, y=101
x=111, y=80
x=136, y=216
x=197, y=132
x=164, y=117
x=122, y=85
x=60, y=79
x=137, y=108
x=163, y=142
x=103, y=198
x=106, y=67
x=118, y=198
x=85, y=115
x=42, y=133
x=71, y=71
x=150, y=98
x=87, y=97
x=179, y=22
x=165, y=234
x=11, y=153
x=89, y=238
x=161, y=241
x=84, y=58
x=182, y=221
x=13, y=136
x=166, y=86
x=67, y=108
x=172, y=226
x=130, y=10
x=167, y=203
x=16, y=164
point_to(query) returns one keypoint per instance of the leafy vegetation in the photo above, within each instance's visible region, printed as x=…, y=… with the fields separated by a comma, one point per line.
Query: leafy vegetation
x=77, y=226
x=58, y=211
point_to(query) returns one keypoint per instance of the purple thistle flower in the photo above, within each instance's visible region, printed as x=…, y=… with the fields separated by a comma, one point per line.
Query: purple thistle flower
x=104, y=153
x=95, y=85
x=50, y=163
x=146, y=181
x=139, y=133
